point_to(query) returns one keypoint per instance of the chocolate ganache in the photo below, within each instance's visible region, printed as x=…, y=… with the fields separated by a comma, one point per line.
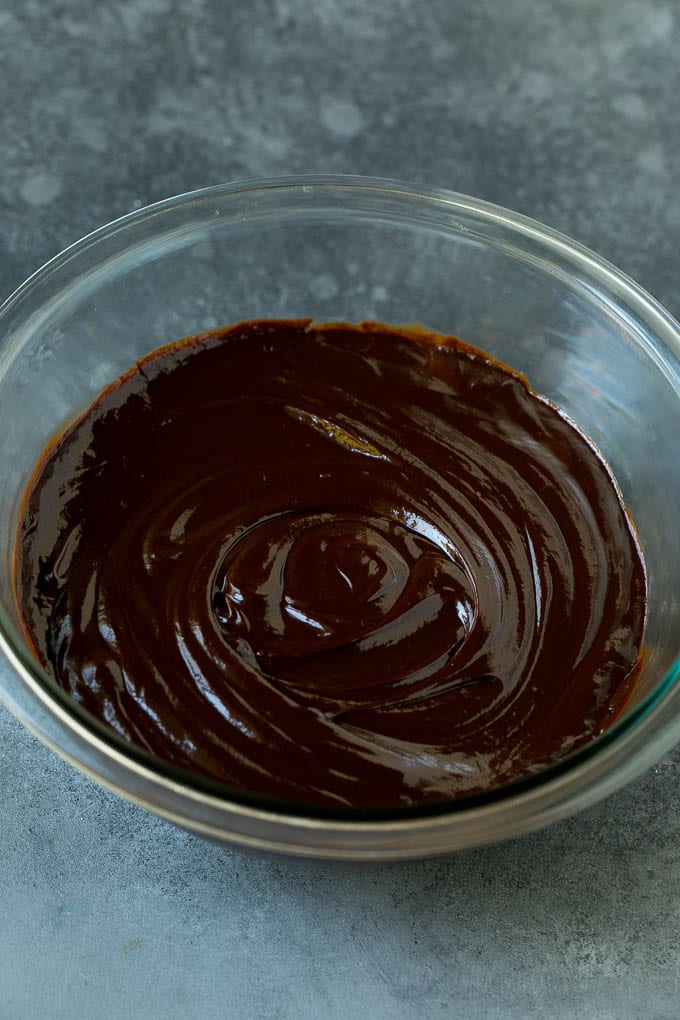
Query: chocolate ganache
x=333, y=564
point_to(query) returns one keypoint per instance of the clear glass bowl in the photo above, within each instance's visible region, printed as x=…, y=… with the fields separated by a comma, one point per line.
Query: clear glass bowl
x=353, y=248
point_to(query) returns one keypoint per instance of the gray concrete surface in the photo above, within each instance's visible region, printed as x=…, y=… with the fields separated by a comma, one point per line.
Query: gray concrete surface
x=567, y=110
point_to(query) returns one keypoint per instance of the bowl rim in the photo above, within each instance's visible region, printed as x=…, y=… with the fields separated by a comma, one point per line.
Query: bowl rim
x=582, y=777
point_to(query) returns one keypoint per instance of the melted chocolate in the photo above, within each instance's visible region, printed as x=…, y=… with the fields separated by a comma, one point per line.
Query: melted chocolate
x=333, y=564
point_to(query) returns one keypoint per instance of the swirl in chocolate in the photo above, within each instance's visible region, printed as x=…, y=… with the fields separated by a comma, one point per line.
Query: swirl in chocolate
x=350, y=565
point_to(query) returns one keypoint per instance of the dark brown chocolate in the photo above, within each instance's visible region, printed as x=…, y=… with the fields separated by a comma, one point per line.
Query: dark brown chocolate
x=333, y=564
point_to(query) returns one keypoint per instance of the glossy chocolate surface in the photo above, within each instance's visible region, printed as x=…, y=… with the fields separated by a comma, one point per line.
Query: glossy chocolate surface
x=333, y=564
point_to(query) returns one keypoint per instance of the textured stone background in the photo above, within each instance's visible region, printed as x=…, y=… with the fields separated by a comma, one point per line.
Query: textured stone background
x=567, y=110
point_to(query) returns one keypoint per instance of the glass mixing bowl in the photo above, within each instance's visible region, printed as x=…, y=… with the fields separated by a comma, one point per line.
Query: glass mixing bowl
x=353, y=248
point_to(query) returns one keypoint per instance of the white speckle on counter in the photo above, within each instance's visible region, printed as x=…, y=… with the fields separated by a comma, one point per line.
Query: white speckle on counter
x=40, y=189
x=658, y=23
x=92, y=134
x=652, y=160
x=342, y=118
x=630, y=104
x=324, y=287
